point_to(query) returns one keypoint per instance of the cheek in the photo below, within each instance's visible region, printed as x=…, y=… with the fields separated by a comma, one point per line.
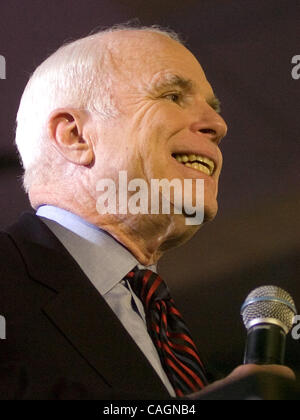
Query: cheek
x=157, y=121
x=148, y=134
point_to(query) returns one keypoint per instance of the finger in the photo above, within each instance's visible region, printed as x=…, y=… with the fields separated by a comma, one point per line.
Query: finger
x=247, y=370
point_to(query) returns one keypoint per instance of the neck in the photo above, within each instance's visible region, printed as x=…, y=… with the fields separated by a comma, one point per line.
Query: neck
x=147, y=237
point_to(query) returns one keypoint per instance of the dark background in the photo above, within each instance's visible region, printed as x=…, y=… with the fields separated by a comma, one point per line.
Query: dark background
x=246, y=48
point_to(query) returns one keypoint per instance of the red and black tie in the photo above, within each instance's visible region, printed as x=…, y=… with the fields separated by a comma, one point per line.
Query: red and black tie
x=171, y=337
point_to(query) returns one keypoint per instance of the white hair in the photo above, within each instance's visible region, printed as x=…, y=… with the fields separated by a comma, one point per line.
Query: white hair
x=77, y=75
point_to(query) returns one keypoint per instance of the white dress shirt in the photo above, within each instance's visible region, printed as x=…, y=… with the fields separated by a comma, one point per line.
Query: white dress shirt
x=106, y=262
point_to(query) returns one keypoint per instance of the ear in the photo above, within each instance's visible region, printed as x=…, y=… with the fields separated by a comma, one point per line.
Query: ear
x=65, y=129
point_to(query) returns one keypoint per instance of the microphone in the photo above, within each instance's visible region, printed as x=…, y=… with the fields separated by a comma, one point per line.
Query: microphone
x=268, y=314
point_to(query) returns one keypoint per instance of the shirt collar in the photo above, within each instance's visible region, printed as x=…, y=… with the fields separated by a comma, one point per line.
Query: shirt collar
x=101, y=257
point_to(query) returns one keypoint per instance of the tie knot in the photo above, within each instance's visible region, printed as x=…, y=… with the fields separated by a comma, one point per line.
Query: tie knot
x=148, y=286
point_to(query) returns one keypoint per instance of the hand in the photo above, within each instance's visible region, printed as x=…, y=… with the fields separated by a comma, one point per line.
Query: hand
x=244, y=371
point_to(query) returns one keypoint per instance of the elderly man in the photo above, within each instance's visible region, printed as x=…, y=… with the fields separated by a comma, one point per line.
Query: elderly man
x=87, y=315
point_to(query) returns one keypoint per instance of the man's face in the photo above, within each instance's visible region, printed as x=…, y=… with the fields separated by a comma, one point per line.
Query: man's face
x=167, y=110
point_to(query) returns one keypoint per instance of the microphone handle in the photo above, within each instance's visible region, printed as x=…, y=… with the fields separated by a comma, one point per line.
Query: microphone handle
x=265, y=345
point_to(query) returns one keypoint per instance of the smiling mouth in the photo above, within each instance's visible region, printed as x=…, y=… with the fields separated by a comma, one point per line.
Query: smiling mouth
x=200, y=163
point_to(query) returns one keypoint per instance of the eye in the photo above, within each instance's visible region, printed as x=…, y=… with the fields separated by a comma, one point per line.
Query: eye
x=173, y=97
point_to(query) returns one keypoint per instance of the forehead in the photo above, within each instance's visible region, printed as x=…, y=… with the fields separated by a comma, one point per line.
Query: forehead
x=146, y=58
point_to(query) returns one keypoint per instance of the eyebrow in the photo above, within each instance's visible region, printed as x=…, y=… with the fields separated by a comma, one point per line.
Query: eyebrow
x=214, y=103
x=173, y=80
x=170, y=81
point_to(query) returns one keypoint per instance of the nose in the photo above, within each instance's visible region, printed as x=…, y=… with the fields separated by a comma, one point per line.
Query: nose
x=209, y=123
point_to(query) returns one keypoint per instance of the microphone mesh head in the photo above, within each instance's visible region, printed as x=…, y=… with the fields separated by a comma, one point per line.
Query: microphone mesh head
x=269, y=302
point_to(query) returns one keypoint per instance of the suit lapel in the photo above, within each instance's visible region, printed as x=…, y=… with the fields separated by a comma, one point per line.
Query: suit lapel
x=95, y=331
x=81, y=314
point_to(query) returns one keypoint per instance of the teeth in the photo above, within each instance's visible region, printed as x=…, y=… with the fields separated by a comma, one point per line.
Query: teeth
x=195, y=162
x=201, y=168
x=185, y=158
x=192, y=158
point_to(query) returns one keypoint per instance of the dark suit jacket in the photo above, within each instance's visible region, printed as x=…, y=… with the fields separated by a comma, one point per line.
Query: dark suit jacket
x=62, y=339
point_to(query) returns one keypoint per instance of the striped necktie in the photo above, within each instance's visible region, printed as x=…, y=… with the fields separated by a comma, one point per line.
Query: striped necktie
x=169, y=333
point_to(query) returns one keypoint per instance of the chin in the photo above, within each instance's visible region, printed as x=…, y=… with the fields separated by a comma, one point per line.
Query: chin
x=210, y=211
